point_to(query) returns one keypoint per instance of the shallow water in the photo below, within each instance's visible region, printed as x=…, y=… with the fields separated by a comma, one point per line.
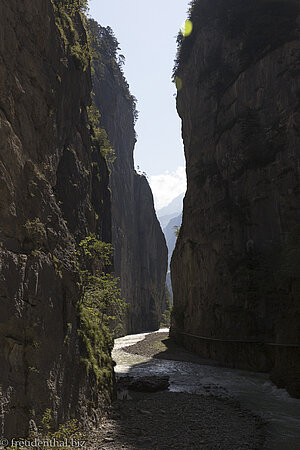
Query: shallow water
x=254, y=391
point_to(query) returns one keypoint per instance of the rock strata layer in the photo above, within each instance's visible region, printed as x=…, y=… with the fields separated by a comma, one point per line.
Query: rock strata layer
x=235, y=269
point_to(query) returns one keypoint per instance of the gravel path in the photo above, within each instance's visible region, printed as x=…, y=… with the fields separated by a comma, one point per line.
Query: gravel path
x=171, y=420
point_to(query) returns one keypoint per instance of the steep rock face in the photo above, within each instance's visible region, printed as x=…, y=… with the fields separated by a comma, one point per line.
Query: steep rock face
x=50, y=197
x=149, y=263
x=140, y=256
x=170, y=232
x=235, y=269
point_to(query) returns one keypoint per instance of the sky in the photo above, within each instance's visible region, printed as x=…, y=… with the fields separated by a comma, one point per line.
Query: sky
x=146, y=31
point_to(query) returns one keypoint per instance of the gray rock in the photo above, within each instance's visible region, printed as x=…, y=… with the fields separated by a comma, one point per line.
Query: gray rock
x=47, y=182
x=144, y=384
x=233, y=273
x=140, y=249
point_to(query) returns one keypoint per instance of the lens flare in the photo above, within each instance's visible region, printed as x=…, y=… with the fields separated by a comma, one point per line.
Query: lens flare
x=186, y=28
x=178, y=83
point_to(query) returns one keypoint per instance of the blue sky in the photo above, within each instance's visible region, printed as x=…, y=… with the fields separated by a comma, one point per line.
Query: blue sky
x=147, y=34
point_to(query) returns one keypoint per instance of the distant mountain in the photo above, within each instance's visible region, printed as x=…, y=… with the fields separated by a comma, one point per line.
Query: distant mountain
x=164, y=220
x=170, y=217
x=169, y=232
x=175, y=207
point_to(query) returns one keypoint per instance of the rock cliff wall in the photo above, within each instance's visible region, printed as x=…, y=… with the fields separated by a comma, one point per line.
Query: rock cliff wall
x=53, y=192
x=235, y=269
x=140, y=248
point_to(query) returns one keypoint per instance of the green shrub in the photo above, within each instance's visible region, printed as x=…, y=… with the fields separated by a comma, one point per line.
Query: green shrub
x=65, y=12
x=177, y=230
x=67, y=433
x=101, y=308
x=73, y=6
x=99, y=136
x=104, y=49
x=94, y=249
x=81, y=55
x=35, y=227
x=166, y=316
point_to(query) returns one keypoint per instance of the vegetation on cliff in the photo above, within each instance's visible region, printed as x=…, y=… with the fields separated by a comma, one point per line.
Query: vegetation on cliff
x=135, y=230
x=259, y=22
x=60, y=300
x=100, y=307
x=68, y=15
x=73, y=6
x=166, y=316
x=99, y=137
x=104, y=53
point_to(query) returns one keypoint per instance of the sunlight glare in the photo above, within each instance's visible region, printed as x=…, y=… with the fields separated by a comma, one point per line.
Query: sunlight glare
x=186, y=28
x=178, y=83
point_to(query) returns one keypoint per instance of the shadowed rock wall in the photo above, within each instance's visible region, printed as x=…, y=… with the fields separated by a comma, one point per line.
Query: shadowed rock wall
x=235, y=269
x=50, y=197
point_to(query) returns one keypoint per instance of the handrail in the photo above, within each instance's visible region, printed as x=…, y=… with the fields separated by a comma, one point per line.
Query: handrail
x=244, y=341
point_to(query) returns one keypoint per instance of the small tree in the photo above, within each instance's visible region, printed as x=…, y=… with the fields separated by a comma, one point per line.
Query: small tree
x=101, y=308
x=177, y=230
x=101, y=292
x=99, y=136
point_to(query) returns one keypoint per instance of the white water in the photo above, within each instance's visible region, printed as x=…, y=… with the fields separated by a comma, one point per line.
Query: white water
x=254, y=391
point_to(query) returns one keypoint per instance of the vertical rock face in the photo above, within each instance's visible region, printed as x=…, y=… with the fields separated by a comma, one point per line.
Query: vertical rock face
x=50, y=197
x=140, y=249
x=53, y=193
x=235, y=269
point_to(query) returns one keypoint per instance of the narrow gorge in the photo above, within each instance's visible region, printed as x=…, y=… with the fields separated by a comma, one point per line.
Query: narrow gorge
x=235, y=269
x=85, y=358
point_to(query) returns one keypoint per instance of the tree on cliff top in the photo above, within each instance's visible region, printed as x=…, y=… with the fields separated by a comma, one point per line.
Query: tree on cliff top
x=73, y=6
x=104, y=48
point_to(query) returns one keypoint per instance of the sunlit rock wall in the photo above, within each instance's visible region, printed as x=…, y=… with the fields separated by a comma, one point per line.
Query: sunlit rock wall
x=140, y=248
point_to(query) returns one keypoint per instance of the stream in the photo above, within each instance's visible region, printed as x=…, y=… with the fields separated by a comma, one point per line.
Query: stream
x=253, y=391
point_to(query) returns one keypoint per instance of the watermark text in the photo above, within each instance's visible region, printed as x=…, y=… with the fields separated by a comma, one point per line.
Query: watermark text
x=42, y=443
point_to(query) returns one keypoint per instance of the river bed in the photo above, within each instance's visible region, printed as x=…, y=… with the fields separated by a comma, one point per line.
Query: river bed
x=252, y=390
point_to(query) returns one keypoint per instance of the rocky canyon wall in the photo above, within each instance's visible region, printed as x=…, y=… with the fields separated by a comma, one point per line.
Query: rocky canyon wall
x=56, y=190
x=140, y=249
x=53, y=193
x=235, y=269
